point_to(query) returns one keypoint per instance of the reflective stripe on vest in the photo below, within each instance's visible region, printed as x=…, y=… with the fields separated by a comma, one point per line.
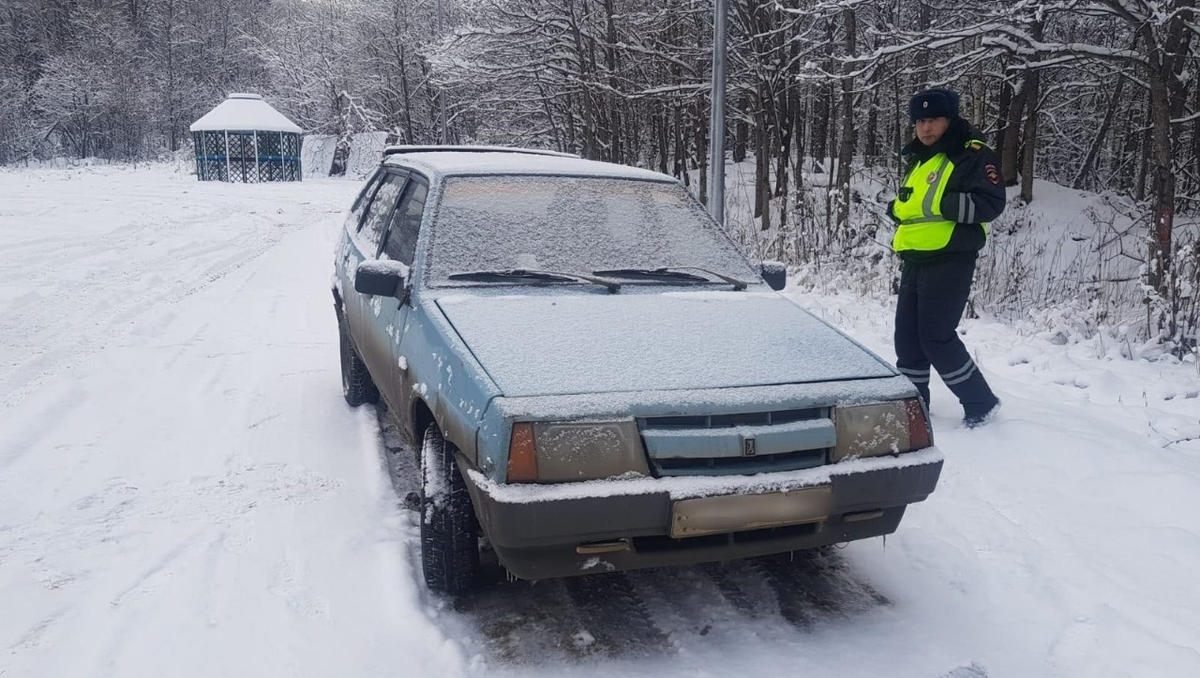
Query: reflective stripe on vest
x=921, y=225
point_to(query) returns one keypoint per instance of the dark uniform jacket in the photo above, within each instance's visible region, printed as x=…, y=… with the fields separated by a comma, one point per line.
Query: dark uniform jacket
x=974, y=193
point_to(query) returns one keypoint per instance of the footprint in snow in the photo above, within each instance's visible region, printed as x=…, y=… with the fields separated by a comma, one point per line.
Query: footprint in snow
x=971, y=670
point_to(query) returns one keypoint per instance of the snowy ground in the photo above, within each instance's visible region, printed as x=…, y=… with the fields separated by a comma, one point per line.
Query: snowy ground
x=183, y=492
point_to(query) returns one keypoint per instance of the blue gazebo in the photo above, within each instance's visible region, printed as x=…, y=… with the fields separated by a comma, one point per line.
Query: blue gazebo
x=244, y=139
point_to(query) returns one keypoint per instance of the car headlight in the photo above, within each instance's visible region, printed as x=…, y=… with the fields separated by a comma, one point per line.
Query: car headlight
x=553, y=452
x=880, y=429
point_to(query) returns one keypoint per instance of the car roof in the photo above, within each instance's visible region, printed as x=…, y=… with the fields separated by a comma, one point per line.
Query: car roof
x=489, y=160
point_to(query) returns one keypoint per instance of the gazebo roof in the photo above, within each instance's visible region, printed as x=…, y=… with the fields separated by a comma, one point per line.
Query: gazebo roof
x=244, y=113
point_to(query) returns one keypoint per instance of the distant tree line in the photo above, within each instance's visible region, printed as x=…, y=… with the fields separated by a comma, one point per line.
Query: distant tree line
x=1093, y=94
x=123, y=79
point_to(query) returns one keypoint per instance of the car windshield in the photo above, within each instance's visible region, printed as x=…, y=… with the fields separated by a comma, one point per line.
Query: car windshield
x=574, y=225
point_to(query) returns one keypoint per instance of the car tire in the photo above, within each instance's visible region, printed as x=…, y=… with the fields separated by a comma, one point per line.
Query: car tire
x=449, y=541
x=357, y=386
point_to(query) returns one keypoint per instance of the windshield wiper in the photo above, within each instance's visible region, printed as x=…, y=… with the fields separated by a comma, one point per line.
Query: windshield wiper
x=652, y=274
x=507, y=274
x=672, y=273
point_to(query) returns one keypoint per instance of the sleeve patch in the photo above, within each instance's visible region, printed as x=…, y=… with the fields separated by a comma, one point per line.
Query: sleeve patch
x=992, y=174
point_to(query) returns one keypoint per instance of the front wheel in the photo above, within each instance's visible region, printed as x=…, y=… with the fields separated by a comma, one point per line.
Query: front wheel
x=357, y=385
x=449, y=544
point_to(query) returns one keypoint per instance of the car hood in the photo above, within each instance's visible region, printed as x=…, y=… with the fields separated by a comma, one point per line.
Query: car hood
x=557, y=345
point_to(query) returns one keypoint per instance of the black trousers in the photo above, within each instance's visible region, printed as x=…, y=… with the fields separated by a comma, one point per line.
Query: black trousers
x=931, y=303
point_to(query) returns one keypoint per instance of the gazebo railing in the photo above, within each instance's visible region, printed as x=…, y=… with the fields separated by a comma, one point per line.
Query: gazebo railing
x=247, y=157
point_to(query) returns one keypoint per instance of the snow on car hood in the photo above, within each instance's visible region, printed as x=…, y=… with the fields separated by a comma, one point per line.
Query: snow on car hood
x=594, y=343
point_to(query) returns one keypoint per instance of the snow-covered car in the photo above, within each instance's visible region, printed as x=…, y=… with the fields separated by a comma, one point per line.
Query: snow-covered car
x=598, y=379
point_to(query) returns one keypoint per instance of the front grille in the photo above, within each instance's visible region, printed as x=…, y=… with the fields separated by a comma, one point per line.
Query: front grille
x=770, y=463
x=738, y=444
x=729, y=420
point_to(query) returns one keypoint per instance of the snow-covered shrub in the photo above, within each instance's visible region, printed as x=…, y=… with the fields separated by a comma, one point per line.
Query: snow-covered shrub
x=1067, y=267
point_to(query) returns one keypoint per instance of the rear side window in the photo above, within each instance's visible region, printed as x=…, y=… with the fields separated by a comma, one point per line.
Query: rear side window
x=380, y=212
x=406, y=224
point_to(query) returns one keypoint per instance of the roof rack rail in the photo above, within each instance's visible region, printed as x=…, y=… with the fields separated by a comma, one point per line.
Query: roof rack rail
x=397, y=150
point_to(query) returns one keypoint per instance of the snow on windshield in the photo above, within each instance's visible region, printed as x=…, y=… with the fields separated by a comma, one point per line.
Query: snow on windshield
x=574, y=225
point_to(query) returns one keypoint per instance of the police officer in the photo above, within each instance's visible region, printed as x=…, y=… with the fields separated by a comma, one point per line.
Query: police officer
x=953, y=188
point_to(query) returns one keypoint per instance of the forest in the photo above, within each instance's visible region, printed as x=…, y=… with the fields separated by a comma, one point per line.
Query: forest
x=1096, y=96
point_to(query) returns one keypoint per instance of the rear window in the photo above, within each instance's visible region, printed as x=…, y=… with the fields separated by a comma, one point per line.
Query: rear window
x=574, y=225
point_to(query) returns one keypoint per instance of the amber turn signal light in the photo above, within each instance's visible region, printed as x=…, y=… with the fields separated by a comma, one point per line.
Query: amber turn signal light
x=522, y=455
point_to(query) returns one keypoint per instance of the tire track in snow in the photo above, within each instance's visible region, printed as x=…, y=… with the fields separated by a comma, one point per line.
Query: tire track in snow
x=743, y=587
x=95, y=288
x=659, y=612
x=816, y=586
x=118, y=324
x=618, y=618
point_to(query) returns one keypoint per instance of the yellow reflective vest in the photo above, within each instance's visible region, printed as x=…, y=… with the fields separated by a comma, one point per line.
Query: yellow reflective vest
x=921, y=224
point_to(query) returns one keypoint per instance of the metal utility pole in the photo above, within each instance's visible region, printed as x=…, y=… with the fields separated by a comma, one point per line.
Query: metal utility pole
x=441, y=28
x=716, y=128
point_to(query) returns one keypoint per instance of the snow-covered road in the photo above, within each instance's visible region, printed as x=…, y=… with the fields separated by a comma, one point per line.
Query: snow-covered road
x=183, y=491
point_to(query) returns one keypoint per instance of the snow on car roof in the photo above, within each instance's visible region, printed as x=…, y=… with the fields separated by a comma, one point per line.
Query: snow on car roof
x=493, y=160
x=418, y=148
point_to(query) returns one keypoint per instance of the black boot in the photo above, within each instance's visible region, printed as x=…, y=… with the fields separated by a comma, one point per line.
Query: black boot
x=978, y=416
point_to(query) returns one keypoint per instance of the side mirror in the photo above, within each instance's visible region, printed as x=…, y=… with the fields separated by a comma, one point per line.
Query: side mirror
x=380, y=277
x=775, y=273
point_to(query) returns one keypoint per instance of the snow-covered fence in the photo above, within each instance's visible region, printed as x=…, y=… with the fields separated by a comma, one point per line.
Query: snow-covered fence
x=366, y=148
x=317, y=154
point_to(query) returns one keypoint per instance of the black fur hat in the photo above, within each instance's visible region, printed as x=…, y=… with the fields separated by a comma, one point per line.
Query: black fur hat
x=933, y=103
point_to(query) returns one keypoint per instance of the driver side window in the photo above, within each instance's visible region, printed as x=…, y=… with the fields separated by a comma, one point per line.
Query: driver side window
x=354, y=219
x=380, y=213
x=401, y=242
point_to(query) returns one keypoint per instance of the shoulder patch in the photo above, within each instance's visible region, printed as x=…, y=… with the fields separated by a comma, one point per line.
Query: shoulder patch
x=976, y=145
x=992, y=174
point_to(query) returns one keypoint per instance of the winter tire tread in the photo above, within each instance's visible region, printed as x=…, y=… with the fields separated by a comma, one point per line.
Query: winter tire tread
x=357, y=386
x=449, y=545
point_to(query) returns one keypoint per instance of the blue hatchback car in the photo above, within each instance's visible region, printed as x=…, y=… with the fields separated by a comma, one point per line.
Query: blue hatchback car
x=598, y=379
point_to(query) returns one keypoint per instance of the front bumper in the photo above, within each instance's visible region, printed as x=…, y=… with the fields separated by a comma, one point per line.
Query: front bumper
x=544, y=531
